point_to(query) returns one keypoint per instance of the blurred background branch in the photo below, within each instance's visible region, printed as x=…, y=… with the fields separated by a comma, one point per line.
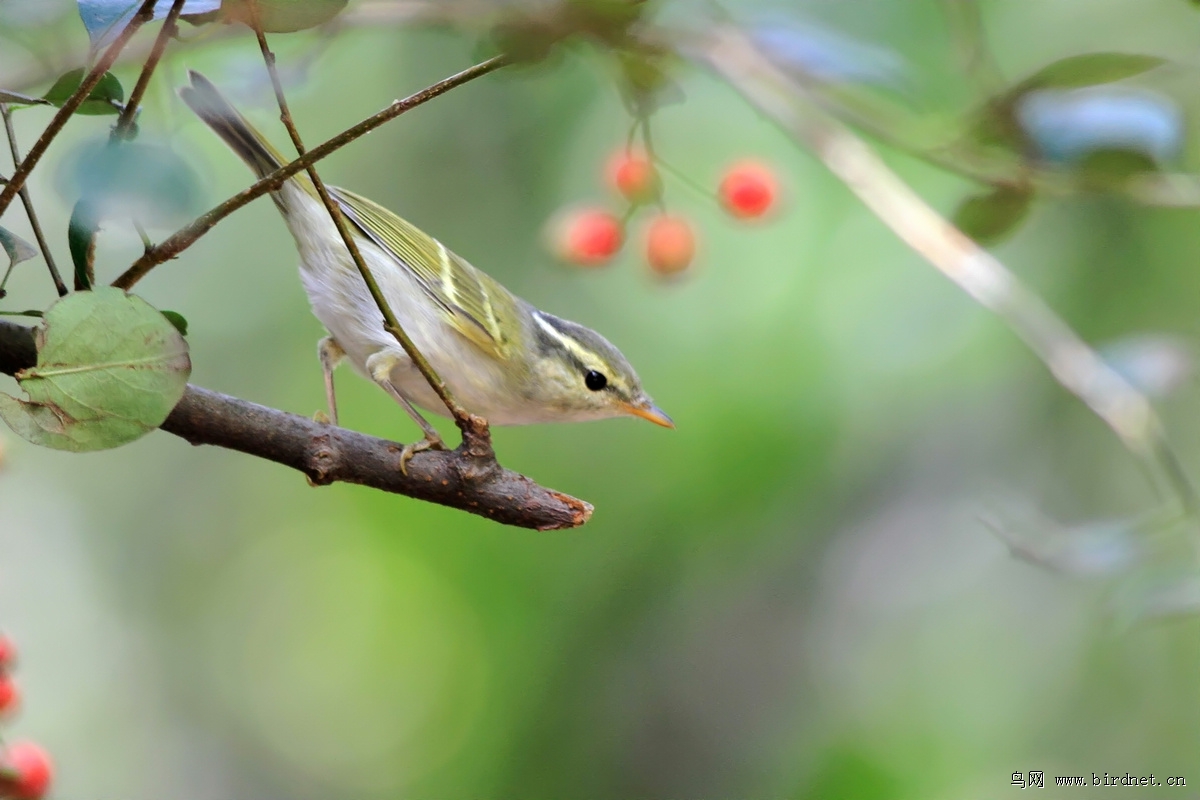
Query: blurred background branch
x=1077, y=367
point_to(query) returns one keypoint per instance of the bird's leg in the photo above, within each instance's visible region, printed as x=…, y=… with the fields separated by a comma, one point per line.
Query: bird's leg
x=331, y=354
x=380, y=367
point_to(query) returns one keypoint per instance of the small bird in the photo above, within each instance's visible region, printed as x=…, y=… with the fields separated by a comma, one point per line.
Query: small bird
x=501, y=357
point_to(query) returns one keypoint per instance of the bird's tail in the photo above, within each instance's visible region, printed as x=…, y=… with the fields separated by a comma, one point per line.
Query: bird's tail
x=236, y=131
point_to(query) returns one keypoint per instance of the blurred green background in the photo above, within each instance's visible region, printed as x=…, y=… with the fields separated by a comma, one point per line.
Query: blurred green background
x=795, y=594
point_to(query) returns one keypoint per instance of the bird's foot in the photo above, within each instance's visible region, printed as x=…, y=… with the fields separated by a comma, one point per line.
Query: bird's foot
x=410, y=450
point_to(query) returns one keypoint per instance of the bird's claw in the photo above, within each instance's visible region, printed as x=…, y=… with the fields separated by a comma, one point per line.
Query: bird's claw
x=410, y=450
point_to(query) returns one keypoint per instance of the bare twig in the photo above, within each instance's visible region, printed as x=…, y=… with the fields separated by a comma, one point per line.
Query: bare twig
x=85, y=219
x=1072, y=363
x=144, y=14
x=184, y=238
x=125, y=122
x=27, y=201
x=328, y=454
x=391, y=323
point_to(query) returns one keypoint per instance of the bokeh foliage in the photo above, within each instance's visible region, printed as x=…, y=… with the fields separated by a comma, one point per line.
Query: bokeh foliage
x=793, y=595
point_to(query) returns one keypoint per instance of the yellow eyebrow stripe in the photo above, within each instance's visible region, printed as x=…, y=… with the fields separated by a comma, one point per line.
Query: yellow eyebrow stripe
x=579, y=351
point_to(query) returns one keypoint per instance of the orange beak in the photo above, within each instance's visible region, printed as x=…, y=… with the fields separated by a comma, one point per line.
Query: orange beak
x=649, y=411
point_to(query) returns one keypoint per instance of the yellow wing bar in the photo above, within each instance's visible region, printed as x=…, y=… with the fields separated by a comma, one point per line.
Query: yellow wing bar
x=464, y=294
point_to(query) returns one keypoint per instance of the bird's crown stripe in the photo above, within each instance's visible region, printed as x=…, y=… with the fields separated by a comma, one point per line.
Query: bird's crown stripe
x=572, y=345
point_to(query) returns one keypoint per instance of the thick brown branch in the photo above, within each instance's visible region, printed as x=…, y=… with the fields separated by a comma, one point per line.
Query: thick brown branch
x=184, y=238
x=461, y=479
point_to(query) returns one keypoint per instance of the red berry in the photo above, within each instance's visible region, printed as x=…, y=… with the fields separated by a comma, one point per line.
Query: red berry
x=634, y=176
x=589, y=237
x=10, y=695
x=748, y=190
x=25, y=772
x=670, y=244
x=8, y=653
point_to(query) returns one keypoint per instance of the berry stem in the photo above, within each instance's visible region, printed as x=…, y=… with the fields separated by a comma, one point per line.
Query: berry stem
x=683, y=178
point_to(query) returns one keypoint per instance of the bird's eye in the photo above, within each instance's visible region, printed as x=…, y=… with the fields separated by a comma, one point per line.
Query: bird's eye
x=595, y=380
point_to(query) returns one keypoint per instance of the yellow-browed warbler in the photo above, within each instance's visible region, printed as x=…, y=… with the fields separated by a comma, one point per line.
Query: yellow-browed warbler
x=501, y=357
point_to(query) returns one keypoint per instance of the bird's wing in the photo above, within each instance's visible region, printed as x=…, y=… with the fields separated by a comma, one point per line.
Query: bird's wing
x=472, y=302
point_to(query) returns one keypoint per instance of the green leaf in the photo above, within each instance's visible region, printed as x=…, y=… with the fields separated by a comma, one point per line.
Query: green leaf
x=18, y=250
x=283, y=16
x=110, y=369
x=1111, y=168
x=988, y=218
x=81, y=241
x=21, y=99
x=178, y=320
x=105, y=98
x=1089, y=69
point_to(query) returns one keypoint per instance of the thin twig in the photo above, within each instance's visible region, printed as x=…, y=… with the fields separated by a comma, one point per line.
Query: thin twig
x=144, y=14
x=328, y=454
x=370, y=14
x=125, y=121
x=27, y=201
x=184, y=238
x=391, y=323
x=85, y=219
x=1077, y=367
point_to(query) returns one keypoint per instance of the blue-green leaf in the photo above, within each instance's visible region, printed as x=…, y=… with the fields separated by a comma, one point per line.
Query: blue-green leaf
x=826, y=54
x=105, y=19
x=1067, y=126
x=142, y=180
